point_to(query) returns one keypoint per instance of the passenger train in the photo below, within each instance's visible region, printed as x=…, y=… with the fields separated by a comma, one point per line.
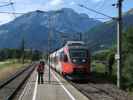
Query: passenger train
x=72, y=61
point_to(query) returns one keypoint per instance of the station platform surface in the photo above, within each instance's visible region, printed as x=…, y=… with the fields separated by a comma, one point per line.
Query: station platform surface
x=55, y=89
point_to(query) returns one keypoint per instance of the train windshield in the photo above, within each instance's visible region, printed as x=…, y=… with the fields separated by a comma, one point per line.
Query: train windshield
x=78, y=53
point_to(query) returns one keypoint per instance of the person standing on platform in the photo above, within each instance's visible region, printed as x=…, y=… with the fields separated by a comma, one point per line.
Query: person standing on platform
x=40, y=71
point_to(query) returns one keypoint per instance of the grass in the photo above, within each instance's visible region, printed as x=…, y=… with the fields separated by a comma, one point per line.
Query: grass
x=98, y=67
x=131, y=93
x=9, y=67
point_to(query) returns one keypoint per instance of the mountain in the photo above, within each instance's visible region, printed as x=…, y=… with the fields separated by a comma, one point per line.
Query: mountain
x=104, y=35
x=35, y=26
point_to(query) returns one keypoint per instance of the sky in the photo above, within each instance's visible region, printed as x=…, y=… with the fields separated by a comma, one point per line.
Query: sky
x=24, y=6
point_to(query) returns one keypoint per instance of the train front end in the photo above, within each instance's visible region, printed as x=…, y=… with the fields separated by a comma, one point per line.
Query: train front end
x=79, y=63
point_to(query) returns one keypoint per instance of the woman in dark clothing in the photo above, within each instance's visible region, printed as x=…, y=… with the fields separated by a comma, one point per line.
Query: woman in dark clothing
x=40, y=70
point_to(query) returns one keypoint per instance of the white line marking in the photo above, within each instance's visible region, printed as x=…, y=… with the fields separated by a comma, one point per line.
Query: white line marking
x=35, y=89
x=21, y=96
x=25, y=89
x=69, y=94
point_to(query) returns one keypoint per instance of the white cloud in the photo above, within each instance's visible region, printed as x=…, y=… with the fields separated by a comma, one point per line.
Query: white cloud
x=31, y=5
x=56, y=2
x=97, y=0
x=3, y=1
x=53, y=5
x=4, y=18
x=72, y=3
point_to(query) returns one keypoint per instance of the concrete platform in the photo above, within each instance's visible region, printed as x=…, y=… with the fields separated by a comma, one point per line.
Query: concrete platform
x=56, y=89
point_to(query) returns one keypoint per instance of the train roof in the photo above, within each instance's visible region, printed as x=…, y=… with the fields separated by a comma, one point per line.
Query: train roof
x=71, y=44
x=75, y=43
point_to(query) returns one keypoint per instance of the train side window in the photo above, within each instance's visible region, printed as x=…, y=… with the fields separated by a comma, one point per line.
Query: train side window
x=65, y=58
x=61, y=55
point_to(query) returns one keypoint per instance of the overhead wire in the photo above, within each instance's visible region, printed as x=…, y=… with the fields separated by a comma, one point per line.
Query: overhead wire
x=20, y=13
x=13, y=9
x=5, y=4
x=11, y=3
x=8, y=4
x=92, y=10
x=98, y=5
x=103, y=3
x=101, y=6
x=7, y=12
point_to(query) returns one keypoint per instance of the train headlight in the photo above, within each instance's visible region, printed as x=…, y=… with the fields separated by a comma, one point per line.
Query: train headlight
x=74, y=60
x=83, y=60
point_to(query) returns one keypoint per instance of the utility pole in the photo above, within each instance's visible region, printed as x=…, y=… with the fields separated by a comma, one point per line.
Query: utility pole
x=119, y=43
x=22, y=50
x=49, y=41
x=49, y=38
x=118, y=56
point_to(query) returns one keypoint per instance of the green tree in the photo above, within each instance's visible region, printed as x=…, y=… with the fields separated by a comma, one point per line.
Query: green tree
x=128, y=71
x=128, y=41
x=3, y=55
x=127, y=48
x=111, y=60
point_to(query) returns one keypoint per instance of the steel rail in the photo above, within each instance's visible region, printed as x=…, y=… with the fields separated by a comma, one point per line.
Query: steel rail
x=20, y=85
x=15, y=76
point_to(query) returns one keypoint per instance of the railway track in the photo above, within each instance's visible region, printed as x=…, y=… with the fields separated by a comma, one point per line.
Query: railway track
x=10, y=87
x=101, y=91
